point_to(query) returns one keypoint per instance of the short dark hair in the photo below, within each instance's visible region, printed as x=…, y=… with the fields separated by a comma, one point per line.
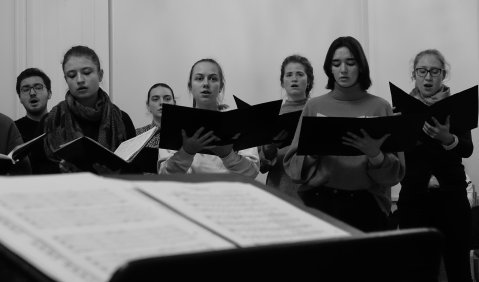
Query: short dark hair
x=357, y=50
x=164, y=85
x=308, y=68
x=33, y=72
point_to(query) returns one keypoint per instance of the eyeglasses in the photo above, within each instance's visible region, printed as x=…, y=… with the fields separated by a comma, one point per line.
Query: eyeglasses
x=36, y=87
x=422, y=72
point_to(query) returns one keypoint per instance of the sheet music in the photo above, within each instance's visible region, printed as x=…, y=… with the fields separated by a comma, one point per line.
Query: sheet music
x=129, y=148
x=85, y=230
x=242, y=212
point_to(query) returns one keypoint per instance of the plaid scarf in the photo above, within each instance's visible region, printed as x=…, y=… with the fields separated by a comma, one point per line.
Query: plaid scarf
x=61, y=124
x=438, y=96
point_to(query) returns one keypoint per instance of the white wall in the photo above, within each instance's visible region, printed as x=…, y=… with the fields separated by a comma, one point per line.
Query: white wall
x=37, y=33
x=7, y=57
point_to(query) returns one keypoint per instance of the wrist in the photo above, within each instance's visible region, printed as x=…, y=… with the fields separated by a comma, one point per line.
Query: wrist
x=448, y=140
x=376, y=160
x=225, y=154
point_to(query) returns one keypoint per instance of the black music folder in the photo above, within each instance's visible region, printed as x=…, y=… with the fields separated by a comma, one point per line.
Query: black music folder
x=252, y=123
x=84, y=152
x=462, y=107
x=19, y=152
x=323, y=135
x=287, y=122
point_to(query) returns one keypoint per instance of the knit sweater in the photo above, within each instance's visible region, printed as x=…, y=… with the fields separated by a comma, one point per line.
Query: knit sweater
x=244, y=162
x=347, y=172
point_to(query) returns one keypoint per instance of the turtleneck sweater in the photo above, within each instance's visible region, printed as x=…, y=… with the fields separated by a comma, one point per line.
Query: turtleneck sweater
x=346, y=172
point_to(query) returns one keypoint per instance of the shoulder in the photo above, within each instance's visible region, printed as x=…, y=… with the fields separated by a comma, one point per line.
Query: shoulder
x=21, y=120
x=377, y=99
x=5, y=120
x=143, y=129
x=315, y=102
x=130, y=128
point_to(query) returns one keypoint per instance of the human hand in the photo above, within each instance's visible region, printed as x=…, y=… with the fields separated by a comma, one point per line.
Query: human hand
x=439, y=131
x=197, y=142
x=67, y=167
x=280, y=137
x=366, y=144
x=224, y=150
x=102, y=169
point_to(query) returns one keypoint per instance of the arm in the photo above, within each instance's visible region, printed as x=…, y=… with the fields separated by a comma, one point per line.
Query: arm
x=13, y=139
x=170, y=162
x=268, y=157
x=300, y=168
x=245, y=162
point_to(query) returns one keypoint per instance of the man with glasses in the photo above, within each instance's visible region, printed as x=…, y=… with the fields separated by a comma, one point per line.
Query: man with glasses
x=34, y=90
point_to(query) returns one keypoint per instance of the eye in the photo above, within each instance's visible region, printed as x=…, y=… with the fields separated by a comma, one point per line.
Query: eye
x=214, y=78
x=87, y=71
x=300, y=74
x=167, y=98
x=435, y=71
x=351, y=62
x=38, y=87
x=71, y=74
x=336, y=63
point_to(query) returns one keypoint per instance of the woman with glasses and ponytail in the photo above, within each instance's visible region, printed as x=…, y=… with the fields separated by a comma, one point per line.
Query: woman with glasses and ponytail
x=433, y=191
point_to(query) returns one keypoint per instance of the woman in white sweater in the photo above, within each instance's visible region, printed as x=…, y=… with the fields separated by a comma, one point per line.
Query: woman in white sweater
x=206, y=84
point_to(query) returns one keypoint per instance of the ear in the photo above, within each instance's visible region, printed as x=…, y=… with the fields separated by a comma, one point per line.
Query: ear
x=100, y=75
x=49, y=94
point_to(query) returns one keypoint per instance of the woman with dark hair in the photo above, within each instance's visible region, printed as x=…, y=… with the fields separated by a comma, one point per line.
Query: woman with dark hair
x=433, y=191
x=206, y=83
x=158, y=94
x=354, y=189
x=147, y=158
x=86, y=111
x=297, y=79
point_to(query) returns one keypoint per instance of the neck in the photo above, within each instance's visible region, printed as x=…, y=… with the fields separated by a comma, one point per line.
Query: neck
x=36, y=117
x=157, y=121
x=296, y=98
x=211, y=107
x=351, y=93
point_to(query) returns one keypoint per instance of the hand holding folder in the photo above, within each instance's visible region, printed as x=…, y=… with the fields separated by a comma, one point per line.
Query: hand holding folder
x=87, y=154
x=244, y=128
x=462, y=108
x=323, y=135
x=20, y=151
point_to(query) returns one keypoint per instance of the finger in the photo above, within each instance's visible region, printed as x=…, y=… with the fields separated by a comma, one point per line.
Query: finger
x=198, y=132
x=352, y=135
x=448, y=120
x=206, y=136
x=436, y=122
x=364, y=133
x=385, y=136
x=209, y=140
x=236, y=136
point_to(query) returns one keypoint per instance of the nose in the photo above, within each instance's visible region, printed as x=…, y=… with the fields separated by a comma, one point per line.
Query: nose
x=205, y=82
x=80, y=78
x=33, y=92
x=343, y=68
